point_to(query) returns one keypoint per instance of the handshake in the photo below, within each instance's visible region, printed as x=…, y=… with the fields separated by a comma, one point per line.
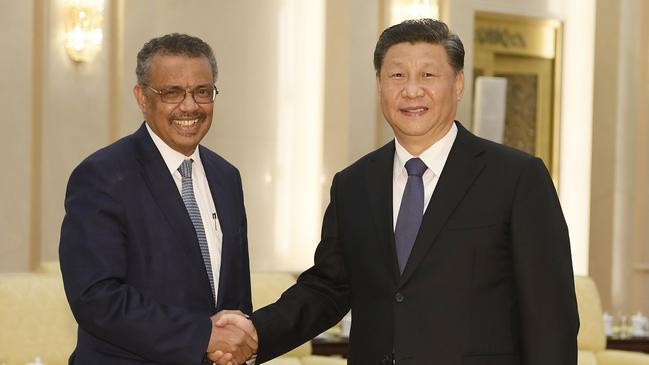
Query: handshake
x=233, y=340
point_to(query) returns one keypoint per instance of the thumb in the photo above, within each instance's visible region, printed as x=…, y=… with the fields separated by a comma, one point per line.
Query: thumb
x=229, y=318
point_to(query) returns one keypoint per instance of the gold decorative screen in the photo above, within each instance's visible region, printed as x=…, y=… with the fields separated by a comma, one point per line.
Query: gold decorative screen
x=525, y=51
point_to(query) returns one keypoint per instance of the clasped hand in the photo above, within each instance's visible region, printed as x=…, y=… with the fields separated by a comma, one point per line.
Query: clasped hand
x=233, y=339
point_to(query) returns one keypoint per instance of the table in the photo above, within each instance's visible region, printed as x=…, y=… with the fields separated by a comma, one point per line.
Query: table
x=640, y=344
x=337, y=345
x=330, y=345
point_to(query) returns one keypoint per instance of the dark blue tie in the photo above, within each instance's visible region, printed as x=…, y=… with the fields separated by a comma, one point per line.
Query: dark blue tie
x=410, y=212
x=189, y=199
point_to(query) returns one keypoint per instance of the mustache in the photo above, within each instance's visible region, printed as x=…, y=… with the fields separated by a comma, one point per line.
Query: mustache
x=197, y=115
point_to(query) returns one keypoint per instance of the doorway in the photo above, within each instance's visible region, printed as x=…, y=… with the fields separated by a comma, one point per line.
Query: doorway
x=526, y=53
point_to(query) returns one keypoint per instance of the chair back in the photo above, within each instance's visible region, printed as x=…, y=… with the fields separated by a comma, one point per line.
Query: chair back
x=267, y=287
x=35, y=319
x=591, y=328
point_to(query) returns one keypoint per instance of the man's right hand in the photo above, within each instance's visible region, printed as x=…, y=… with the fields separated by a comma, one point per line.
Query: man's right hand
x=233, y=339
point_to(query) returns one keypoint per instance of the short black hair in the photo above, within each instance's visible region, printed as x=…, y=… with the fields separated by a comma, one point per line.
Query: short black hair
x=420, y=30
x=175, y=44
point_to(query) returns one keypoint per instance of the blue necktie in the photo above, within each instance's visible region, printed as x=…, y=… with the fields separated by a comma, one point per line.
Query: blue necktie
x=185, y=170
x=410, y=212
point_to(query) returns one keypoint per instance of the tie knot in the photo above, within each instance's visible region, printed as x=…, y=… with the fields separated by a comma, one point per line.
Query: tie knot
x=416, y=167
x=185, y=168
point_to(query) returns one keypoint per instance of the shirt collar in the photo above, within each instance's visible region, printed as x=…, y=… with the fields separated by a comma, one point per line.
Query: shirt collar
x=434, y=156
x=172, y=158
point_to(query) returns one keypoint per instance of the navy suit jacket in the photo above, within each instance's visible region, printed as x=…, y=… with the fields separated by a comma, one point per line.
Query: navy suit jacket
x=489, y=280
x=130, y=258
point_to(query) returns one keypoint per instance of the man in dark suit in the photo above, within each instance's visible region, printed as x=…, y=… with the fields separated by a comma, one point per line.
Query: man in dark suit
x=154, y=240
x=448, y=248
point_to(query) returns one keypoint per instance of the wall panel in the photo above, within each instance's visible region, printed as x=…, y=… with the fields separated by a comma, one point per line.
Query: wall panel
x=16, y=39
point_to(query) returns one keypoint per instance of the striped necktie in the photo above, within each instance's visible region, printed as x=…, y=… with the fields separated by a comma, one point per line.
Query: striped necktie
x=189, y=199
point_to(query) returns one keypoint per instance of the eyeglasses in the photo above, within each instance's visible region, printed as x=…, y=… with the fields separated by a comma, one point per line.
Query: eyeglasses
x=175, y=95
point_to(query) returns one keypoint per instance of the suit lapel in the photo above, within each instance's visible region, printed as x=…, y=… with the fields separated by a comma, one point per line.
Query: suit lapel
x=165, y=192
x=460, y=171
x=224, y=208
x=378, y=181
x=222, y=200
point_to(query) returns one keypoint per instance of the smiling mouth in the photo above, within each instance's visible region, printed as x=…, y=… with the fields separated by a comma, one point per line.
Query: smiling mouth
x=185, y=122
x=414, y=111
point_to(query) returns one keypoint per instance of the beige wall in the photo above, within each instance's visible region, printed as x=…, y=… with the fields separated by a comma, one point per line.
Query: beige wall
x=604, y=147
x=350, y=119
x=620, y=186
x=74, y=120
x=16, y=94
x=78, y=108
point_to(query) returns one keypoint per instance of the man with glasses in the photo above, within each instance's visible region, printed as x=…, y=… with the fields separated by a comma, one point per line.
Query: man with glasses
x=154, y=240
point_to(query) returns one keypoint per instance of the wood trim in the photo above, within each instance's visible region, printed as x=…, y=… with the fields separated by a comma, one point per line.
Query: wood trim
x=637, y=344
x=515, y=34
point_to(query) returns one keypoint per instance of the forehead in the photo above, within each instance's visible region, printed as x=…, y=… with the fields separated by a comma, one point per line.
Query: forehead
x=420, y=52
x=178, y=69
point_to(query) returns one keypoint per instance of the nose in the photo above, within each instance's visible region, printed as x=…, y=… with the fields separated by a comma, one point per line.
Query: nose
x=412, y=89
x=188, y=103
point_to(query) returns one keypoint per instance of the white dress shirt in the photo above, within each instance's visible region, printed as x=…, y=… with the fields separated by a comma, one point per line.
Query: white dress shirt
x=434, y=157
x=203, y=195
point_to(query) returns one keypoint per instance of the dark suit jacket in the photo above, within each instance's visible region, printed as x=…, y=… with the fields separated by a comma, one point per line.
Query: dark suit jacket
x=130, y=258
x=489, y=280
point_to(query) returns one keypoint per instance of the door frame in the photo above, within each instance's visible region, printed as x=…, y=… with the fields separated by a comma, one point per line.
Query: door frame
x=502, y=35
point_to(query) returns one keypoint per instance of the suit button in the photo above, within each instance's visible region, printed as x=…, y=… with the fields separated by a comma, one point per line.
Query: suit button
x=398, y=297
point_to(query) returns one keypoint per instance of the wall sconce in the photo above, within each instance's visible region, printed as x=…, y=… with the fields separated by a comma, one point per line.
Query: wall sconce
x=83, y=28
x=400, y=10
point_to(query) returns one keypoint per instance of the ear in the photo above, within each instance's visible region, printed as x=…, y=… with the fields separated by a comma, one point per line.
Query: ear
x=378, y=84
x=140, y=97
x=459, y=84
